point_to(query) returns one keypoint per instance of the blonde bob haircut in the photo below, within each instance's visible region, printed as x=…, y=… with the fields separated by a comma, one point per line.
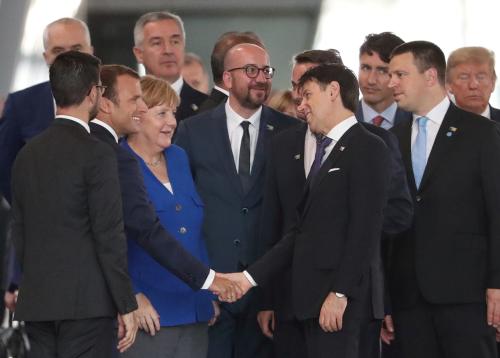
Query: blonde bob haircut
x=156, y=91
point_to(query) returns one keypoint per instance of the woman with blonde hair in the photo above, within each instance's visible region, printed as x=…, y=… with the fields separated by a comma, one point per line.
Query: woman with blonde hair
x=173, y=318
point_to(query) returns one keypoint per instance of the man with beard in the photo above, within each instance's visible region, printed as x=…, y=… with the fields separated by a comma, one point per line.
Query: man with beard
x=227, y=148
x=67, y=226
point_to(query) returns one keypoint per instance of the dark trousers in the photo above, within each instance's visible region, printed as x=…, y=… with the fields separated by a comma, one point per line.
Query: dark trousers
x=288, y=339
x=369, y=339
x=341, y=344
x=444, y=331
x=236, y=334
x=85, y=338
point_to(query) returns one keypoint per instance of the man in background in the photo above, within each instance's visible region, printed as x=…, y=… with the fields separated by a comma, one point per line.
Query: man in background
x=194, y=72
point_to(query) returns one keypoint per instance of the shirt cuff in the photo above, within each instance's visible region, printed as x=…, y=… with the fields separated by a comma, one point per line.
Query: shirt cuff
x=209, y=280
x=250, y=278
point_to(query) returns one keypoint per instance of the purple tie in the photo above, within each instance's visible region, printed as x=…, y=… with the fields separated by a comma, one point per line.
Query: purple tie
x=321, y=143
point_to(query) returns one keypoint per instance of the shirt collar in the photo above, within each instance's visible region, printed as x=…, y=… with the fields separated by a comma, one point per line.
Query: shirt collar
x=77, y=120
x=220, y=89
x=177, y=85
x=235, y=119
x=437, y=114
x=369, y=113
x=487, y=112
x=339, y=130
x=107, y=126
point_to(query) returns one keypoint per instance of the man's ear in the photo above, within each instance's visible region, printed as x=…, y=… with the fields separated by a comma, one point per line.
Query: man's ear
x=431, y=76
x=333, y=90
x=105, y=105
x=227, y=78
x=138, y=52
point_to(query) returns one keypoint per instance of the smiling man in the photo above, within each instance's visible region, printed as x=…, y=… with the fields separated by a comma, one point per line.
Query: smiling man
x=159, y=44
x=471, y=78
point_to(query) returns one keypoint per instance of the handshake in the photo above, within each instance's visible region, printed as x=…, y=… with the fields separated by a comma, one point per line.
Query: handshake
x=230, y=287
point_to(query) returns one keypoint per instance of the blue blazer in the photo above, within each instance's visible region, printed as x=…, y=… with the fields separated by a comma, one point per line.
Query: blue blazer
x=181, y=213
x=26, y=114
x=231, y=226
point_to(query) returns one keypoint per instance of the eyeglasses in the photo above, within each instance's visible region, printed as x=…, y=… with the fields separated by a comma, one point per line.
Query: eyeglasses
x=252, y=71
x=101, y=89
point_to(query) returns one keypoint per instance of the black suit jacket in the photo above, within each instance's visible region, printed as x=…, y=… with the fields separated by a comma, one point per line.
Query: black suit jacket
x=191, y=101
x=450, y=255
x=68, y=229
x=215, y=98
x=232, y=216
x=141, y=222
x=495, y=114
x=340, y=221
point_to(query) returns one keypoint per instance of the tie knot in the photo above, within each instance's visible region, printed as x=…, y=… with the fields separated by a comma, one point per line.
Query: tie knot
x=422, y=121
x=377, y=121
x=322, y=141
x=245, y=125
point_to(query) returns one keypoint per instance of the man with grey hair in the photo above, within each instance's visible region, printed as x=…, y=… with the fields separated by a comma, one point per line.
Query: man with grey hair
x=471, y=77
x=159, y=44
x=29, y=111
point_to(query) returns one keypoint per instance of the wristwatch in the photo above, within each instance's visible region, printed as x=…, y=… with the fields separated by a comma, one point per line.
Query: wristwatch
x=339, y=295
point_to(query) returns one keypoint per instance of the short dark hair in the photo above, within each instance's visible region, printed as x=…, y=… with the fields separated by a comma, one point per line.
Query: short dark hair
x=224, y=43
x=426, y=55
x=72, y=76
x=318, y=57
x=323, y=75
x=382, y=44
x=109, y=74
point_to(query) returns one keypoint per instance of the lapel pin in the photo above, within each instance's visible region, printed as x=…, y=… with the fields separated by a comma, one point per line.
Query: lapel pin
x=342, y=148
x=452, y=130
x=194, y=107
x=296, y=156
x=269, y=127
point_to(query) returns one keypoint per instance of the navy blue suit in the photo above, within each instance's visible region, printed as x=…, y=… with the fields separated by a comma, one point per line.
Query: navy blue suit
x=182, y=214
x=191, y=101
x=26, y=114
x=142, y=225
x=232, y=216
x=495, y=114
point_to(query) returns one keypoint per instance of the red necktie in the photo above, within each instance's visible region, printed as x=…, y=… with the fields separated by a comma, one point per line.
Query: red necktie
x=377, y=121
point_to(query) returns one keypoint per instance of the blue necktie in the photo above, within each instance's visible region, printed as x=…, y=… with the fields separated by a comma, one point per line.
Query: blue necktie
x=419, y=150
x=321, y=143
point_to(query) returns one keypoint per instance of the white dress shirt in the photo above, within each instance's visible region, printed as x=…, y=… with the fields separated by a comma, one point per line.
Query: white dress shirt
x=107, y=126
x=435, y=116
x=389, y=114
x=177, y=85
x=235, y=131
x=220, y=89
x=76, y=120
x=487, y=112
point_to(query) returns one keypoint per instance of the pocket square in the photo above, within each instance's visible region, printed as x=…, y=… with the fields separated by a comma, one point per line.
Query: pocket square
x=333, y=170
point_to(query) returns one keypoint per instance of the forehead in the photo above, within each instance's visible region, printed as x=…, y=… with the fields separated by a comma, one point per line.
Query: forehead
x=401, y=61
x=162, y=28
x=66, y=33
x=251, y=54
x=311, y=86
x=472, y=66
x=126, y=83
x=373, y=59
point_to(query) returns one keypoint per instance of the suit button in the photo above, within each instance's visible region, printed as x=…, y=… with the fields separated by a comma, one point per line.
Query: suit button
x=178, y=207
x=244, y=211
x=236, y=242
x=418, y=198
x=183, y=230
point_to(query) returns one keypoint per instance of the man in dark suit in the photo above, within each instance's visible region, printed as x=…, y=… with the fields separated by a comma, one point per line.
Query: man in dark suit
x=67, y=226
x=119, y=114
x=471, y=78
x=339, y=218
x=30, y=111
x=227, y=148
x=159, y=44
x=444, y=281
x=283, y=191
x=227, y=40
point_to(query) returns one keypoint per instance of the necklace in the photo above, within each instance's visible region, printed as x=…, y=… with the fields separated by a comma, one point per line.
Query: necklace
x=154, y=163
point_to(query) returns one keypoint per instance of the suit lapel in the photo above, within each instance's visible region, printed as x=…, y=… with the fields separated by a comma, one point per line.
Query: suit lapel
x=405, y=144
x=223, y=146
x=444, y=139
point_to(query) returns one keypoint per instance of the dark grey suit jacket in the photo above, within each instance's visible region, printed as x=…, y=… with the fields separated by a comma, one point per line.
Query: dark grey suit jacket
x=231, y=215
x=68, y=229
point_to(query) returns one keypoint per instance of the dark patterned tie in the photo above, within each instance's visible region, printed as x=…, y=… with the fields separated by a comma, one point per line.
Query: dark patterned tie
x=377, y=121
x=321, y=143
x=244, y=161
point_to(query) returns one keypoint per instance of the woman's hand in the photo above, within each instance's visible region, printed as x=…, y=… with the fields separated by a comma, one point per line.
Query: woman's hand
x=146, y=315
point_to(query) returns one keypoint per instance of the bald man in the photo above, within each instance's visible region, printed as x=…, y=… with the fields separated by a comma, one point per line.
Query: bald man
x=227, y=147
x=31, y=110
